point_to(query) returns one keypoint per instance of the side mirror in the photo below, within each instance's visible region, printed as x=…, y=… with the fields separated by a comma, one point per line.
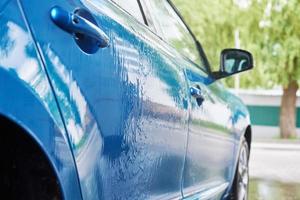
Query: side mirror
x=233, y=61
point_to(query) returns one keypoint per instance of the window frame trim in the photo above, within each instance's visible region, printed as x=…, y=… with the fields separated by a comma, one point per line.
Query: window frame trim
x=149, y=19
x=144, y=21
x=199, y=47
x=143, y=12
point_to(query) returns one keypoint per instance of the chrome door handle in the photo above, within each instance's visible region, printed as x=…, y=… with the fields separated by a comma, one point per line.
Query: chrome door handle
x=74, y=24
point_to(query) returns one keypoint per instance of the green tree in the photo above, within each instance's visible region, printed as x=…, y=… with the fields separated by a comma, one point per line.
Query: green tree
x=270, y=29
x=279, y=39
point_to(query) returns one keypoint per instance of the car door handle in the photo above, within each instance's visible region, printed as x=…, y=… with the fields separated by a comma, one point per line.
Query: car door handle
x=197, y=94
x=74, y=24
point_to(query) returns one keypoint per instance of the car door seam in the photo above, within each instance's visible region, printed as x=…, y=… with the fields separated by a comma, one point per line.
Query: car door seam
x=42, y=60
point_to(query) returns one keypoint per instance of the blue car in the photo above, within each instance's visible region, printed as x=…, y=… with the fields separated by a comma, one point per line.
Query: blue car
x=113, y=99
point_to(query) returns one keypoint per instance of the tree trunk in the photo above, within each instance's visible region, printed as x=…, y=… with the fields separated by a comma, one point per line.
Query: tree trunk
x=288, y=111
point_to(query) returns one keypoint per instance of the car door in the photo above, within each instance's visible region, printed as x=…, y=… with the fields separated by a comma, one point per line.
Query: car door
x=211, y=143
x=210, y=149
x=123, y=102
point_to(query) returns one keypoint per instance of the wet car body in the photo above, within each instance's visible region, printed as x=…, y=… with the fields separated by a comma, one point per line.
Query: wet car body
x=117, y=121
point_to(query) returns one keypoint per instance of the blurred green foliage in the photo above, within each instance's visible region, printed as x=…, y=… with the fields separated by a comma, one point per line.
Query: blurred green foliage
x=270, y=29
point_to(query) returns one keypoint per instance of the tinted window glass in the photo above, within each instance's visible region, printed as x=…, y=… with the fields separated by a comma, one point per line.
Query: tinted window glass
x=169, y=25
x=132, y=7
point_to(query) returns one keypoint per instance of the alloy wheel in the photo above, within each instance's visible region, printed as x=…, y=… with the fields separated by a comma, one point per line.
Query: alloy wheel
x=243, y=173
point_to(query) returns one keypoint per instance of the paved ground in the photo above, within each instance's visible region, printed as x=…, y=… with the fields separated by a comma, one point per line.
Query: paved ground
x=267, y=132
x=275, y=171
x=277, y=162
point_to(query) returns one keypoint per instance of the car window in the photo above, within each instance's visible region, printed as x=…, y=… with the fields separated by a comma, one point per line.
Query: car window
x=172, y=29
x=132, y=7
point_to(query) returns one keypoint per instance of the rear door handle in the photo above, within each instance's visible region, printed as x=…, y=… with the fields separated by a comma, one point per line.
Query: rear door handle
x=74, y=24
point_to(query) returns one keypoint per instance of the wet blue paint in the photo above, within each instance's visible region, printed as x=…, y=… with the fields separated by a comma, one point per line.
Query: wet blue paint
x=119, y=123
x=27, y=98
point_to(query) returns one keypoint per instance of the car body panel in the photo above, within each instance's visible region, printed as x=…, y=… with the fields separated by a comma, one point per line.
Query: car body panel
x=120, y=123
x=26, y=98
x=125, y=107
x=216, y=129
x=209, y=134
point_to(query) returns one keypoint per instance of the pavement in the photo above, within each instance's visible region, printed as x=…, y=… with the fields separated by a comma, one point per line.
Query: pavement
x=275, y=170
x=275, y=161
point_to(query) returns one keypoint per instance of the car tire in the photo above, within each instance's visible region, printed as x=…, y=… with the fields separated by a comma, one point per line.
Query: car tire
x=241, y=180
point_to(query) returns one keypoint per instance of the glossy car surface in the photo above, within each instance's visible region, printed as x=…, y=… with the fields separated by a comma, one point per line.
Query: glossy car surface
x=117, y=121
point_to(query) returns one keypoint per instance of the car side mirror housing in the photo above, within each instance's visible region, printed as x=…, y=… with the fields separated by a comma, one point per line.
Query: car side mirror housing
x=233, y=61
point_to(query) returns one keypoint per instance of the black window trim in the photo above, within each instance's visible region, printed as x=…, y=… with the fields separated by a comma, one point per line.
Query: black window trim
x=145, y=22
x=146, y=18
x=149, y=19
x=197, y=43
x=143, y=12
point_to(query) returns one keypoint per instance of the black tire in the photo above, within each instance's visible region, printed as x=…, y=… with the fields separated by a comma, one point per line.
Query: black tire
x=241, y=179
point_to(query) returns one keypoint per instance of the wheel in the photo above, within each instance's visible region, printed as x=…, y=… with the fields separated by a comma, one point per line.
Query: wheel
x=241, y=179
